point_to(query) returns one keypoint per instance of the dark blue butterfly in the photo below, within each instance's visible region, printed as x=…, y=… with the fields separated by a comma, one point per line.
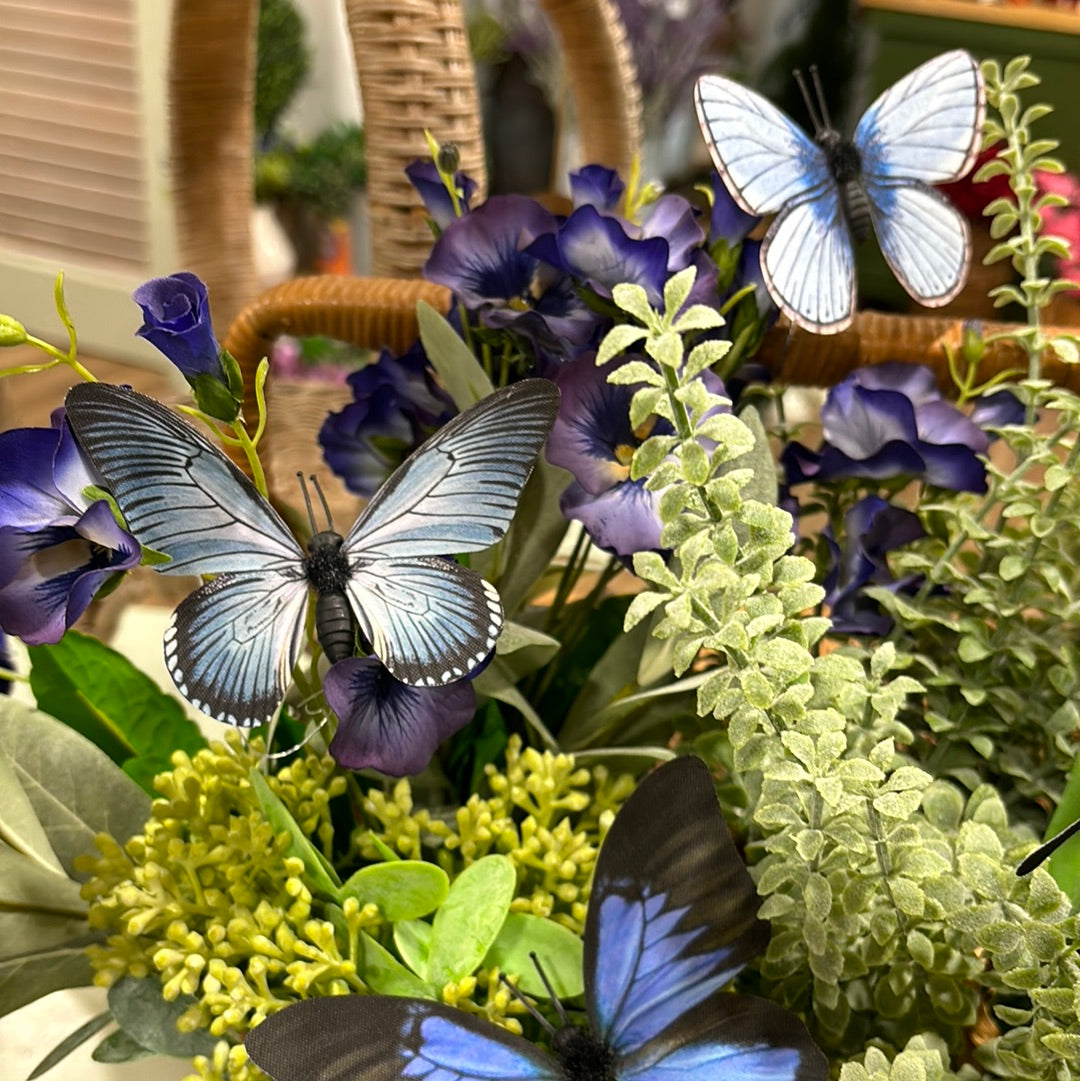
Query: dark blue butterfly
x=924, y=130
x=672, y=918
x=232, y=645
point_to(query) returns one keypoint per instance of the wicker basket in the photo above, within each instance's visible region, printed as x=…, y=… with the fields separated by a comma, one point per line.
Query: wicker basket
x=415, y=72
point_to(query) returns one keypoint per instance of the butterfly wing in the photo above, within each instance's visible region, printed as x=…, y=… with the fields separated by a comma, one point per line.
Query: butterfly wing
x=769, y=165
x=736, y=1037
x=764, y=158
x=808, y=263
x=377, y=1038
x=231, y=645
x=458, y=491
x=429, y=620
x=672, y=917
x=179, y=494
x=673, y=912
x=925, y=129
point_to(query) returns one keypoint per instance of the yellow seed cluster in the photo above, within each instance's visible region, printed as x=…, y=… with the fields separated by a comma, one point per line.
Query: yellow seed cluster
x=209, y=900
x=544, y=812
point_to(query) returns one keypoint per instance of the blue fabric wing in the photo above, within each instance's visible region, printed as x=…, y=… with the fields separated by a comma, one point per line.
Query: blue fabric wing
x=924, y=238
x=231, y=645
x=763, y=156
x=734, y=1037
x=809, y=265
x=927, y=126
x=672, y=914
x=179, y=494
x=429, y=620
x=376, y=1038
x=459, y=490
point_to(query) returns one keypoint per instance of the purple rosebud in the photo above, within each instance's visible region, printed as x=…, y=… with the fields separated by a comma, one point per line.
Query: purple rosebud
x=387, y=725
x=872, y=528
x=425, y=177
x=597, y=186
x=176, y=319
x=56, y=547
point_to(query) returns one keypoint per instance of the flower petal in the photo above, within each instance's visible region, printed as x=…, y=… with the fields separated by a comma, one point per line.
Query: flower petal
x=387, y=725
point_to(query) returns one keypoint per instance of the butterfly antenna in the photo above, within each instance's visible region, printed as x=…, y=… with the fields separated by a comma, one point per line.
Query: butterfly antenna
x=550, y=990
x=307, y=500
x=322, y=499
x=819, y=94
x=1045, y=851
x=811, y=108
x=533, y=1012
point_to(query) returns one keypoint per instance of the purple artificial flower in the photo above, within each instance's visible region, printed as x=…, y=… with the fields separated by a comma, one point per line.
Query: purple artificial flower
x=727, y=220
x=592, y=439
x=889, y=420
x=57, y=547
x=387, y=725
x=872, y=527
x=596, y=249
x=1000, y=409
x=397, y=406
x=429, y=185
x=176, y=319
x=596, y=186
x=483, y=259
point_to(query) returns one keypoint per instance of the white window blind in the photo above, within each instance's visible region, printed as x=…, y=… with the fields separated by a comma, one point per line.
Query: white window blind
x=83, y=153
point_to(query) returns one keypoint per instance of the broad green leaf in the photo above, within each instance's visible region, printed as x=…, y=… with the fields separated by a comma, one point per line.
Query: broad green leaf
x=413, y=941
x=75, y=791
x=35, y=931
x=119, y=1047
x=142, y=1012
x=498, y=682
x=30, y=976
x=1064, y=864
x=470, y=919
x=70, y=1043
x=385, y=974
x=522, y=649
x=19, y=825
x=321, y=876
x=101, y=694
x=403, y=889
x=460, y=372
x=559, y=951
x=25, y=884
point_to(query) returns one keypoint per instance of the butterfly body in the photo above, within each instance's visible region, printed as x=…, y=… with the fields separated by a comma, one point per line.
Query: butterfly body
x=672, y=918
x=232, y=644
x=924, y=130
x=327, y=570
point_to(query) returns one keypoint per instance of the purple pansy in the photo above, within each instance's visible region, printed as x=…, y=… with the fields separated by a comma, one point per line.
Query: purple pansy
x=483, y=259
x=888, y=421
x=592, y=439
x=397, y=406
x=999, y=409
x=57, y=547
x=387, y=725
x=872, y=527
x=176, y=319
x=727, y=220
x=425, y=177
x=598, y=186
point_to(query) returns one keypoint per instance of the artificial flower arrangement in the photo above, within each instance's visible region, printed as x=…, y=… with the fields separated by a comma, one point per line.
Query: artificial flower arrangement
x=437, y=845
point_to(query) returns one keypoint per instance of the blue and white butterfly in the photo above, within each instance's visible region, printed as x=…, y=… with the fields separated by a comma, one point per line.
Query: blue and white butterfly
x=672, y=918
x=925, y=129
x=232, y=645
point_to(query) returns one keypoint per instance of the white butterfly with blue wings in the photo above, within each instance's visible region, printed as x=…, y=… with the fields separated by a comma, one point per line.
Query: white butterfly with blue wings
x=232, y=645
x=925, y=129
